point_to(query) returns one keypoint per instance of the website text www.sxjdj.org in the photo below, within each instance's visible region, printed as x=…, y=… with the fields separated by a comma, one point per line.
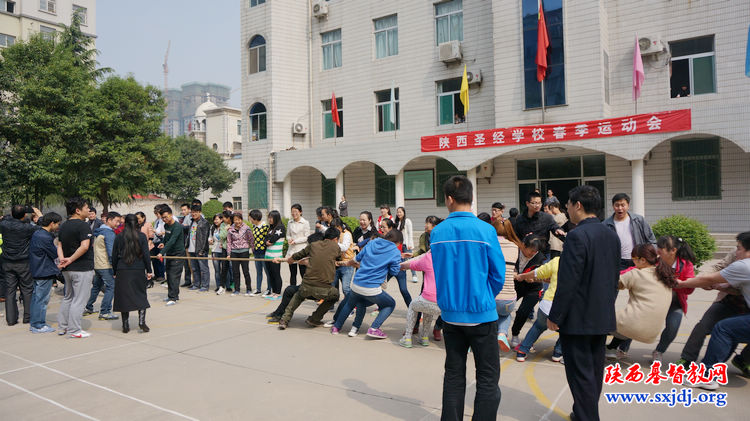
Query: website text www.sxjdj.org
x=684, y=397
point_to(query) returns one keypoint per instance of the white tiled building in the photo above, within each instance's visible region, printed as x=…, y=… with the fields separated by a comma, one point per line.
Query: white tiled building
x=19, y=19
x=295, y=56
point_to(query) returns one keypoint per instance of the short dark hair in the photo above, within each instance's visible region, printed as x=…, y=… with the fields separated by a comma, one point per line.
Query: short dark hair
x=588, y=197
x=227, y=205
x=73, y=204
x=394, y=236
x=112, y=215
x=484, y=216
x=298, y=207
x=256, y=214
x=196, y=208
x=535, y=242
x=196, y=202
x=226, y=214
x=620, y=196
x=513, y=212
x=165, y=209
x=553, y=204
x=498, y=205
x=459, y=188
x=185, y=205
x=319, y=211
x=91, y=208
x=744, y=240
x=332, y=233
x=50, y=218
x=328, y=210
x=236, y=215
x=18, y=211
x=531, y=195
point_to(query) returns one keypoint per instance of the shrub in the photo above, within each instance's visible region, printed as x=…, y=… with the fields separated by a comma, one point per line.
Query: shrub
x=351, y=222
x=695, y=233
x=211, y=208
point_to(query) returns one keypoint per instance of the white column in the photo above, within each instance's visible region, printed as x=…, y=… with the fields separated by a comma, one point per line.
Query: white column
x=638, y=201
x=286, y=196
x=339, y=187
x=399, y=190
x=472, y=176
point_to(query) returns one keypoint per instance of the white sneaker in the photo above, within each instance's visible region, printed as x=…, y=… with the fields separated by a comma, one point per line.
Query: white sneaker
x=610, y=354
x=171, y=302
x=414, y=279
x=353, y=332
x=266, y=294
x=514, y=342
x=220, y=291
x=80, y=335
x=329, y=323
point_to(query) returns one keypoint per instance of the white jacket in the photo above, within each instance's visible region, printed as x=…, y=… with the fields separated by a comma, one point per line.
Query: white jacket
x=297, y=231
x=408, y=234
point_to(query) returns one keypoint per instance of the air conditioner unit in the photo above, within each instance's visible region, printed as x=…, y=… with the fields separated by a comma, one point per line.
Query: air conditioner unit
x=474, y=76
x=450, y=51
x=298, y=129
x=650, y=45
x=320, y=9
x=486, y=169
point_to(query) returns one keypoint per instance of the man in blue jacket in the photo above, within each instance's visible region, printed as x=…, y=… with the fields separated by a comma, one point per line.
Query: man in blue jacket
x=44, y=270
x=584, y=307
x=104, y=274
x=469, y=273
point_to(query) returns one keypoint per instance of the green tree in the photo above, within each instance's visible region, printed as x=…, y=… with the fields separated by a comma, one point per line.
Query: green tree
x=194, y=168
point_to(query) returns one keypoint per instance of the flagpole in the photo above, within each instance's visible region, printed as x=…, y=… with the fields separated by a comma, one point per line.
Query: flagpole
x=543, y=101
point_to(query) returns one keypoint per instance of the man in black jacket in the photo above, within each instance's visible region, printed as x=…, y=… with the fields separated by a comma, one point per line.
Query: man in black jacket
x=583, y=310
x=197, y=246
x=16, y=235
x=535, y=222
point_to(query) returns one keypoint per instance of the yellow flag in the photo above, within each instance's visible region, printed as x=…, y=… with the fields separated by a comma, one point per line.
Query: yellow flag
x=464, y=96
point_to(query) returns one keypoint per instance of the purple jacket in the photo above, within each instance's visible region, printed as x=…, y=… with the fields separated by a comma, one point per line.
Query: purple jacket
x=240, y=239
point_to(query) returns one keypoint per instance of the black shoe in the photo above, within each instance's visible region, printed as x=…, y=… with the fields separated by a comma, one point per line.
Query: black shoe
x=149, y=284
x=186, y=285
x=144, y=328
x=271, y=315
x=125, y=326
x=313, y=323
x=573, y=417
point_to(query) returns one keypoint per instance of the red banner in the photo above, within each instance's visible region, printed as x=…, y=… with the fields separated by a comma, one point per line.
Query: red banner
x=660, y=122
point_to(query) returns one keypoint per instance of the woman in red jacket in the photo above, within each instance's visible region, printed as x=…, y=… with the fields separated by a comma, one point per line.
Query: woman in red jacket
x=677, y=253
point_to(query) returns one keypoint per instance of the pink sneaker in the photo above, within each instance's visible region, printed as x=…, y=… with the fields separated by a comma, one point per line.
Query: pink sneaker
x=334, y=330
x=376, y=333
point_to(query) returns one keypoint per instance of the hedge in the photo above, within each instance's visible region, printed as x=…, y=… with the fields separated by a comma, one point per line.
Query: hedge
x=692, y=231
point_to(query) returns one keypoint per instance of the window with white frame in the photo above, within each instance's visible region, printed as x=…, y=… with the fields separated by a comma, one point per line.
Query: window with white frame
x=450, y=107
x=47, y=32
x=7, y=40
x=331, y=42
x=258, y=122
x=388, y=119
x=8, y=6
x=386, y=36
x=449, y=21
x=48, y=6
x=237, y=203
x=257, y=55
x=239, y=127
x=254, y=3
x=330, y=129
x=693, y=67
x=82, y=12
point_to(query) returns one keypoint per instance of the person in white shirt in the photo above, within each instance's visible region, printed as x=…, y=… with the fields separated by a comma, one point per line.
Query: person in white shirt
x=296, y=235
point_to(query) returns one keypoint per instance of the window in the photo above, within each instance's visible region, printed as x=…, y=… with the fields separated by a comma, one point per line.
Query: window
x=419, y=184
x=47, y=32
x=257, y=190
x=450, y=107
x=554, y=84
x=386, y=36
x=239, y=127
x=254, y=3
x=385, y=188
x=327, y=191
x=81, y=12
x=47, y=6
x=7, y=40
x=692, y=67
x=605, y=60
x=258, y=122
x=696, y=169
x=215, y=147
x=449, y=21
x=386, y=121
x=7, y=6
x=237, y=203
x=331, y=49
x=443, y=171
x=330, y=129
x=257, y=55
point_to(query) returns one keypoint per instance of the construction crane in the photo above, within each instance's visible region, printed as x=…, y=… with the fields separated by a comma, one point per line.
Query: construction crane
x=166, y=91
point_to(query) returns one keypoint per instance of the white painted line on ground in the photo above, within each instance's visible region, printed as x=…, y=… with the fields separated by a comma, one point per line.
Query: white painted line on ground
x=57, y=404
x=551, y=409
x=133, y=398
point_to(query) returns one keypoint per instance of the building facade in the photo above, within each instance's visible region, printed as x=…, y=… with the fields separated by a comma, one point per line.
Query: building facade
x=20, y=19
x=182, y=103
x=410, y=56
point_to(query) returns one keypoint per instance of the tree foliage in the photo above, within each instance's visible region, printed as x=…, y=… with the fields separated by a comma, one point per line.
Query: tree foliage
x=195, y=167
x=692, y=231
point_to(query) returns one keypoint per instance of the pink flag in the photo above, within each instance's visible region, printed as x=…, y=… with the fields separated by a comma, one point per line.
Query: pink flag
x=638, y=75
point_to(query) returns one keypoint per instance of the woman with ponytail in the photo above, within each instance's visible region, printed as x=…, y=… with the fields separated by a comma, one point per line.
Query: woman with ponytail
x=650, y=286
x=132, y=264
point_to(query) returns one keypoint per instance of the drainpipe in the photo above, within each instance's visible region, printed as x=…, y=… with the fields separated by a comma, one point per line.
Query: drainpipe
x=309, y=73
x=271, y=163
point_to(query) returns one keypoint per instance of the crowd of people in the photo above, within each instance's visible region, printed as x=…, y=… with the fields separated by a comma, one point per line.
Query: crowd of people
x=568, y=265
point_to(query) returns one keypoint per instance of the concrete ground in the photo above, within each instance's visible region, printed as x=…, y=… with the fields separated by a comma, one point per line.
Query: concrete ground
x=215, y=358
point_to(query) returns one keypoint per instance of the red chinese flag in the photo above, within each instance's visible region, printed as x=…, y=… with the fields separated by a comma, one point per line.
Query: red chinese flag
x=542, y=44
x=335, y=111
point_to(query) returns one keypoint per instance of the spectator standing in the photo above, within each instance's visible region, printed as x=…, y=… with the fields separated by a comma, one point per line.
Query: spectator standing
x=274, y=248
x=555, y=244
x=240, y=243
x=174, y=245
x=496, y=213
x=260, y=230
x=343, y=207
x=104, y=276
x=631, y=228
x=197, y=244
x=44, y=270
x=296, y=236
x=93, y=220
x=130, y=259
x=17, y=233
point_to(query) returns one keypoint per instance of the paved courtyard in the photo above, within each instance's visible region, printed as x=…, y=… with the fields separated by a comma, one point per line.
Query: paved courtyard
x=215, y=358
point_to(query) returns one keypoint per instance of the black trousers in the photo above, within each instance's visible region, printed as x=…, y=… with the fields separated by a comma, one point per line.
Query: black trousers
x=188, y=274
x=293, y=273
x=584, y=369
x=728, y=307
x=245, y=266
x=285, y=299
x=174, y=272
x=274, y=276
x=483, y=342
x=17, y=275
x=528, y=301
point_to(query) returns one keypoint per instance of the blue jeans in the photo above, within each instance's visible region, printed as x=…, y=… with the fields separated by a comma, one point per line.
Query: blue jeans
x=104, y=279
x=539, y=326
x=401, y=278
x=724, y=339
x=345, y=274
x=671, y=327
x=39, y=301
x=504, y=309
x=201, y=275
x=260, y=267
x=218, y=266
x=385, y=303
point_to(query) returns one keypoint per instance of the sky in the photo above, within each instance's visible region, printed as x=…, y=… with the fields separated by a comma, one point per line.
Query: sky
x=205, y=35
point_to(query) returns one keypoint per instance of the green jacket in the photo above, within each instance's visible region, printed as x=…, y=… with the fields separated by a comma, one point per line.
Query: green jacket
x=422, y=247
x=223, y=235
x=174, y=240
x=322, y=269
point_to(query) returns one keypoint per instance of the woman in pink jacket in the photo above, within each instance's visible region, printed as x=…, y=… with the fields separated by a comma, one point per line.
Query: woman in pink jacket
x=240, y=243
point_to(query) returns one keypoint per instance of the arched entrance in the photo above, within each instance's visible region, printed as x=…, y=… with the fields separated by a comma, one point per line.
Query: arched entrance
x=257, y=190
